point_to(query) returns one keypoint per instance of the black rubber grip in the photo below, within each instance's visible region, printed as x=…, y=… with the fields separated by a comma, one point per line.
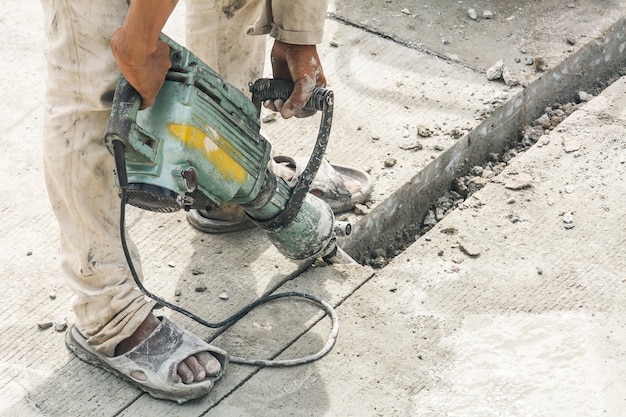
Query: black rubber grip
x=270, y=89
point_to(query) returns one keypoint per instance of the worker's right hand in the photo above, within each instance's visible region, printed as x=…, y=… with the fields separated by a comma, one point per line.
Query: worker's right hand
x=300, y=64
x=145, y=70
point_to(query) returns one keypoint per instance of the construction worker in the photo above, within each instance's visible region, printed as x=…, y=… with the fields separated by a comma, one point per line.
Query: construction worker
x=89, y=42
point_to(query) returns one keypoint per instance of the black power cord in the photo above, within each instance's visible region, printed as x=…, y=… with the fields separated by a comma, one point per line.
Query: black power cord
x=120, y=164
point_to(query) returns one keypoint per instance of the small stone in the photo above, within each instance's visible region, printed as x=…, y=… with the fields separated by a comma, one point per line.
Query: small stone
x=495, y=72
x=200, y=288
x=543, y=121
x=487, y=14
x=569, y=189
x=430, y=219
x=412, y=147
x=469, y=249
x=390, y=162
x=568, y=217
x=45, y=325
x=177, y=293
x=52, y=295
x=540, y=64
x=471, y=13
x=509, y=78
x=424, y=132
x=571, y=145
x=334, y=44
x=197, y=271
x=29, y=253
x=571, y=40
x=60, y=325
x=171, y=264
x=583, y=96
x=477, y=170
x=539, y=271
x=518, y=182
x=439, y=147
x=223, y=296
x=406, y=11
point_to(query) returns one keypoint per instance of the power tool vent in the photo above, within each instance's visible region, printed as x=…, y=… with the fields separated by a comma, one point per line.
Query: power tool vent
x=152, y=198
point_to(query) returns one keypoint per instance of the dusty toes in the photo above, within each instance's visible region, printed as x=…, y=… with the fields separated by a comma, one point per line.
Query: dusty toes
x=209, y=363
x=196, y=368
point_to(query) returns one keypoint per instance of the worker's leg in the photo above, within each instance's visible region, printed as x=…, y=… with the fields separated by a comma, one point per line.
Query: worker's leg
x=79, y=169
x=216, y=33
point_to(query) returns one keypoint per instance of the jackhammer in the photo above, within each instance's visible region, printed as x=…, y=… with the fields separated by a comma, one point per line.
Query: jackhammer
x=199, y=145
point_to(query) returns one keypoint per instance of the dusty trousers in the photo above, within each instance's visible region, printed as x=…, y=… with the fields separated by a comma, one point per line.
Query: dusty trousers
x=81, y=78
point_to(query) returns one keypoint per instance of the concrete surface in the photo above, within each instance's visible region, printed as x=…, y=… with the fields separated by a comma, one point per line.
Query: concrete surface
x=512, y=305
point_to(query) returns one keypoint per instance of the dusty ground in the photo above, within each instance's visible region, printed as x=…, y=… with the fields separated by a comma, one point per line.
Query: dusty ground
x=511, y=305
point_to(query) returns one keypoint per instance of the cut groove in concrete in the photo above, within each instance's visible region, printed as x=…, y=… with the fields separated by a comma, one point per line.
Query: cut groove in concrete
x=395, y=223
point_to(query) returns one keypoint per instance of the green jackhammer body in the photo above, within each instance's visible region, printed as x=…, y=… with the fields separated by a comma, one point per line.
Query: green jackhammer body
x=200, y=145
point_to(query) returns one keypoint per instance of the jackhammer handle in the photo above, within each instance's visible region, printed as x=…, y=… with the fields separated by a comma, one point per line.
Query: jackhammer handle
x=271, y=89
x=126, y=104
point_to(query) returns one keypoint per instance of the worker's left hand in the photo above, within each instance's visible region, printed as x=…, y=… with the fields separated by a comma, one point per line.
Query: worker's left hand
x=144, y=69
x=300, y=64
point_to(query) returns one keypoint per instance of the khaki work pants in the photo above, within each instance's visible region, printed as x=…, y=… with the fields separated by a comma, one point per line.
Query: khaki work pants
x=81, y=79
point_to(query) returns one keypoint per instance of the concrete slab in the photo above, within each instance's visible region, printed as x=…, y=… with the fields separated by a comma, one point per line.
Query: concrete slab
x=385, y=92
x=516, y=32
x=504, y=308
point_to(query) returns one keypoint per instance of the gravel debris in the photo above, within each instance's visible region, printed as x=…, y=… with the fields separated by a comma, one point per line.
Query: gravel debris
x=61, y=324
x=44, y=325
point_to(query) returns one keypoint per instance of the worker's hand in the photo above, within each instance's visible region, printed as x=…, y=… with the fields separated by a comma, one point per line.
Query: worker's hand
x=144, y=69
x=300, y=64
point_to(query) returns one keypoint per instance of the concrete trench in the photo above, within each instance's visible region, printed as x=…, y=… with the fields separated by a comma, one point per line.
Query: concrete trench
x=397, y=222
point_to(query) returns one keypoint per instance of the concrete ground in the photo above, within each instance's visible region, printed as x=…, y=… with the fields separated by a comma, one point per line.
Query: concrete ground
x=512, y=305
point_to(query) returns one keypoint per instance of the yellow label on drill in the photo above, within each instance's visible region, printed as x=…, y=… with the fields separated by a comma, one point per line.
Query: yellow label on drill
x=214, y=147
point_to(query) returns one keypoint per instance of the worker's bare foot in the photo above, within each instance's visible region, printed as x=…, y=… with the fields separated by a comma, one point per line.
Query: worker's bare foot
x=193, y=369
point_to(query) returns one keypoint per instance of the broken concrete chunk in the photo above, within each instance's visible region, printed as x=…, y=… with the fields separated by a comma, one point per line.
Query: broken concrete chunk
x=495, y=72
x=45, y=325
x=471, y=13
x=540, y=64
x=424, y=132
x=469, y=249
x=583, y=96
x=509, y=78
x=430, y=219
x=412, y=147
x=61, y=324
x=571, y=145
x=568, y=217
x=518, y=182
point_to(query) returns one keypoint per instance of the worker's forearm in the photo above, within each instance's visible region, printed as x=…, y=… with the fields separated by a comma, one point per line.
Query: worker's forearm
x=143, y=24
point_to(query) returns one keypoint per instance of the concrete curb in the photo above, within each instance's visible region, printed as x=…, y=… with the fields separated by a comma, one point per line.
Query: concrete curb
x=395, y=223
